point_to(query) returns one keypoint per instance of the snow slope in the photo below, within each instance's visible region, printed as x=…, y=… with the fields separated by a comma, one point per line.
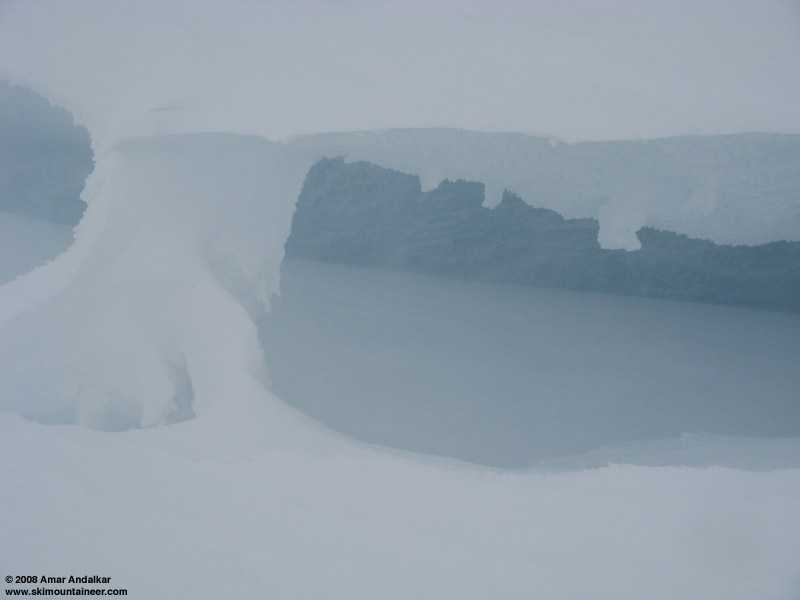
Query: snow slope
x=183, y=235
x=182, y=512
x=179, y=250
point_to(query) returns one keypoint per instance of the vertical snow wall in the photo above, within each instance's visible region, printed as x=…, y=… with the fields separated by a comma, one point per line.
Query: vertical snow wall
x=148, y=318
x=184, y=232
x=179, y=249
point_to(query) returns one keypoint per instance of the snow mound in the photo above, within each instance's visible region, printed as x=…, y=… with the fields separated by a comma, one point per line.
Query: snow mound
x=165, y=516
x=184, y=234
x=148, y=317
x=179, y=249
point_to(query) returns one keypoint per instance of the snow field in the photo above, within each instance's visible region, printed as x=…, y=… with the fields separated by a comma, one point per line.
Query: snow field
x=165, y=513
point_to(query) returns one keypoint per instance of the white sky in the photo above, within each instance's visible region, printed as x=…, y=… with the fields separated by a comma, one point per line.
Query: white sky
x=580, y=70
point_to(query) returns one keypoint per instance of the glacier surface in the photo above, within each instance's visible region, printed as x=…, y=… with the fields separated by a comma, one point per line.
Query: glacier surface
x=180, y=249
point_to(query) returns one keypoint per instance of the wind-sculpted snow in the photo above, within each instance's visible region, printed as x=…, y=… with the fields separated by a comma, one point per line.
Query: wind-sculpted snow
x=737, y=189
x=361, y=214
x=179, y=249
x=172, y=68
x=103, y=336
x=167, y=515
x=148, y=317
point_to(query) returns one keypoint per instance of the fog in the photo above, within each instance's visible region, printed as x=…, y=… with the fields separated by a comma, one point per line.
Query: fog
x=578, y=70
x=188, y=413
x=496, y=374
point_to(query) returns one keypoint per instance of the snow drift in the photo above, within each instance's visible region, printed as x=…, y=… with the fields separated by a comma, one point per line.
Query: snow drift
x=179, y=249
x=148, y=318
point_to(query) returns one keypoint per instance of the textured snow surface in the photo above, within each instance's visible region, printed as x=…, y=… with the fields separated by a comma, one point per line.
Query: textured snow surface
x=738, y=189
x=212, y=508
x=152, y=307
x=183, y=236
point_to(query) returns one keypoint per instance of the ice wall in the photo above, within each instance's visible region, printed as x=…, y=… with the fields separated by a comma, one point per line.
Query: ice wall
x=738, y=189
x=184, y=231
x=179, y=249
